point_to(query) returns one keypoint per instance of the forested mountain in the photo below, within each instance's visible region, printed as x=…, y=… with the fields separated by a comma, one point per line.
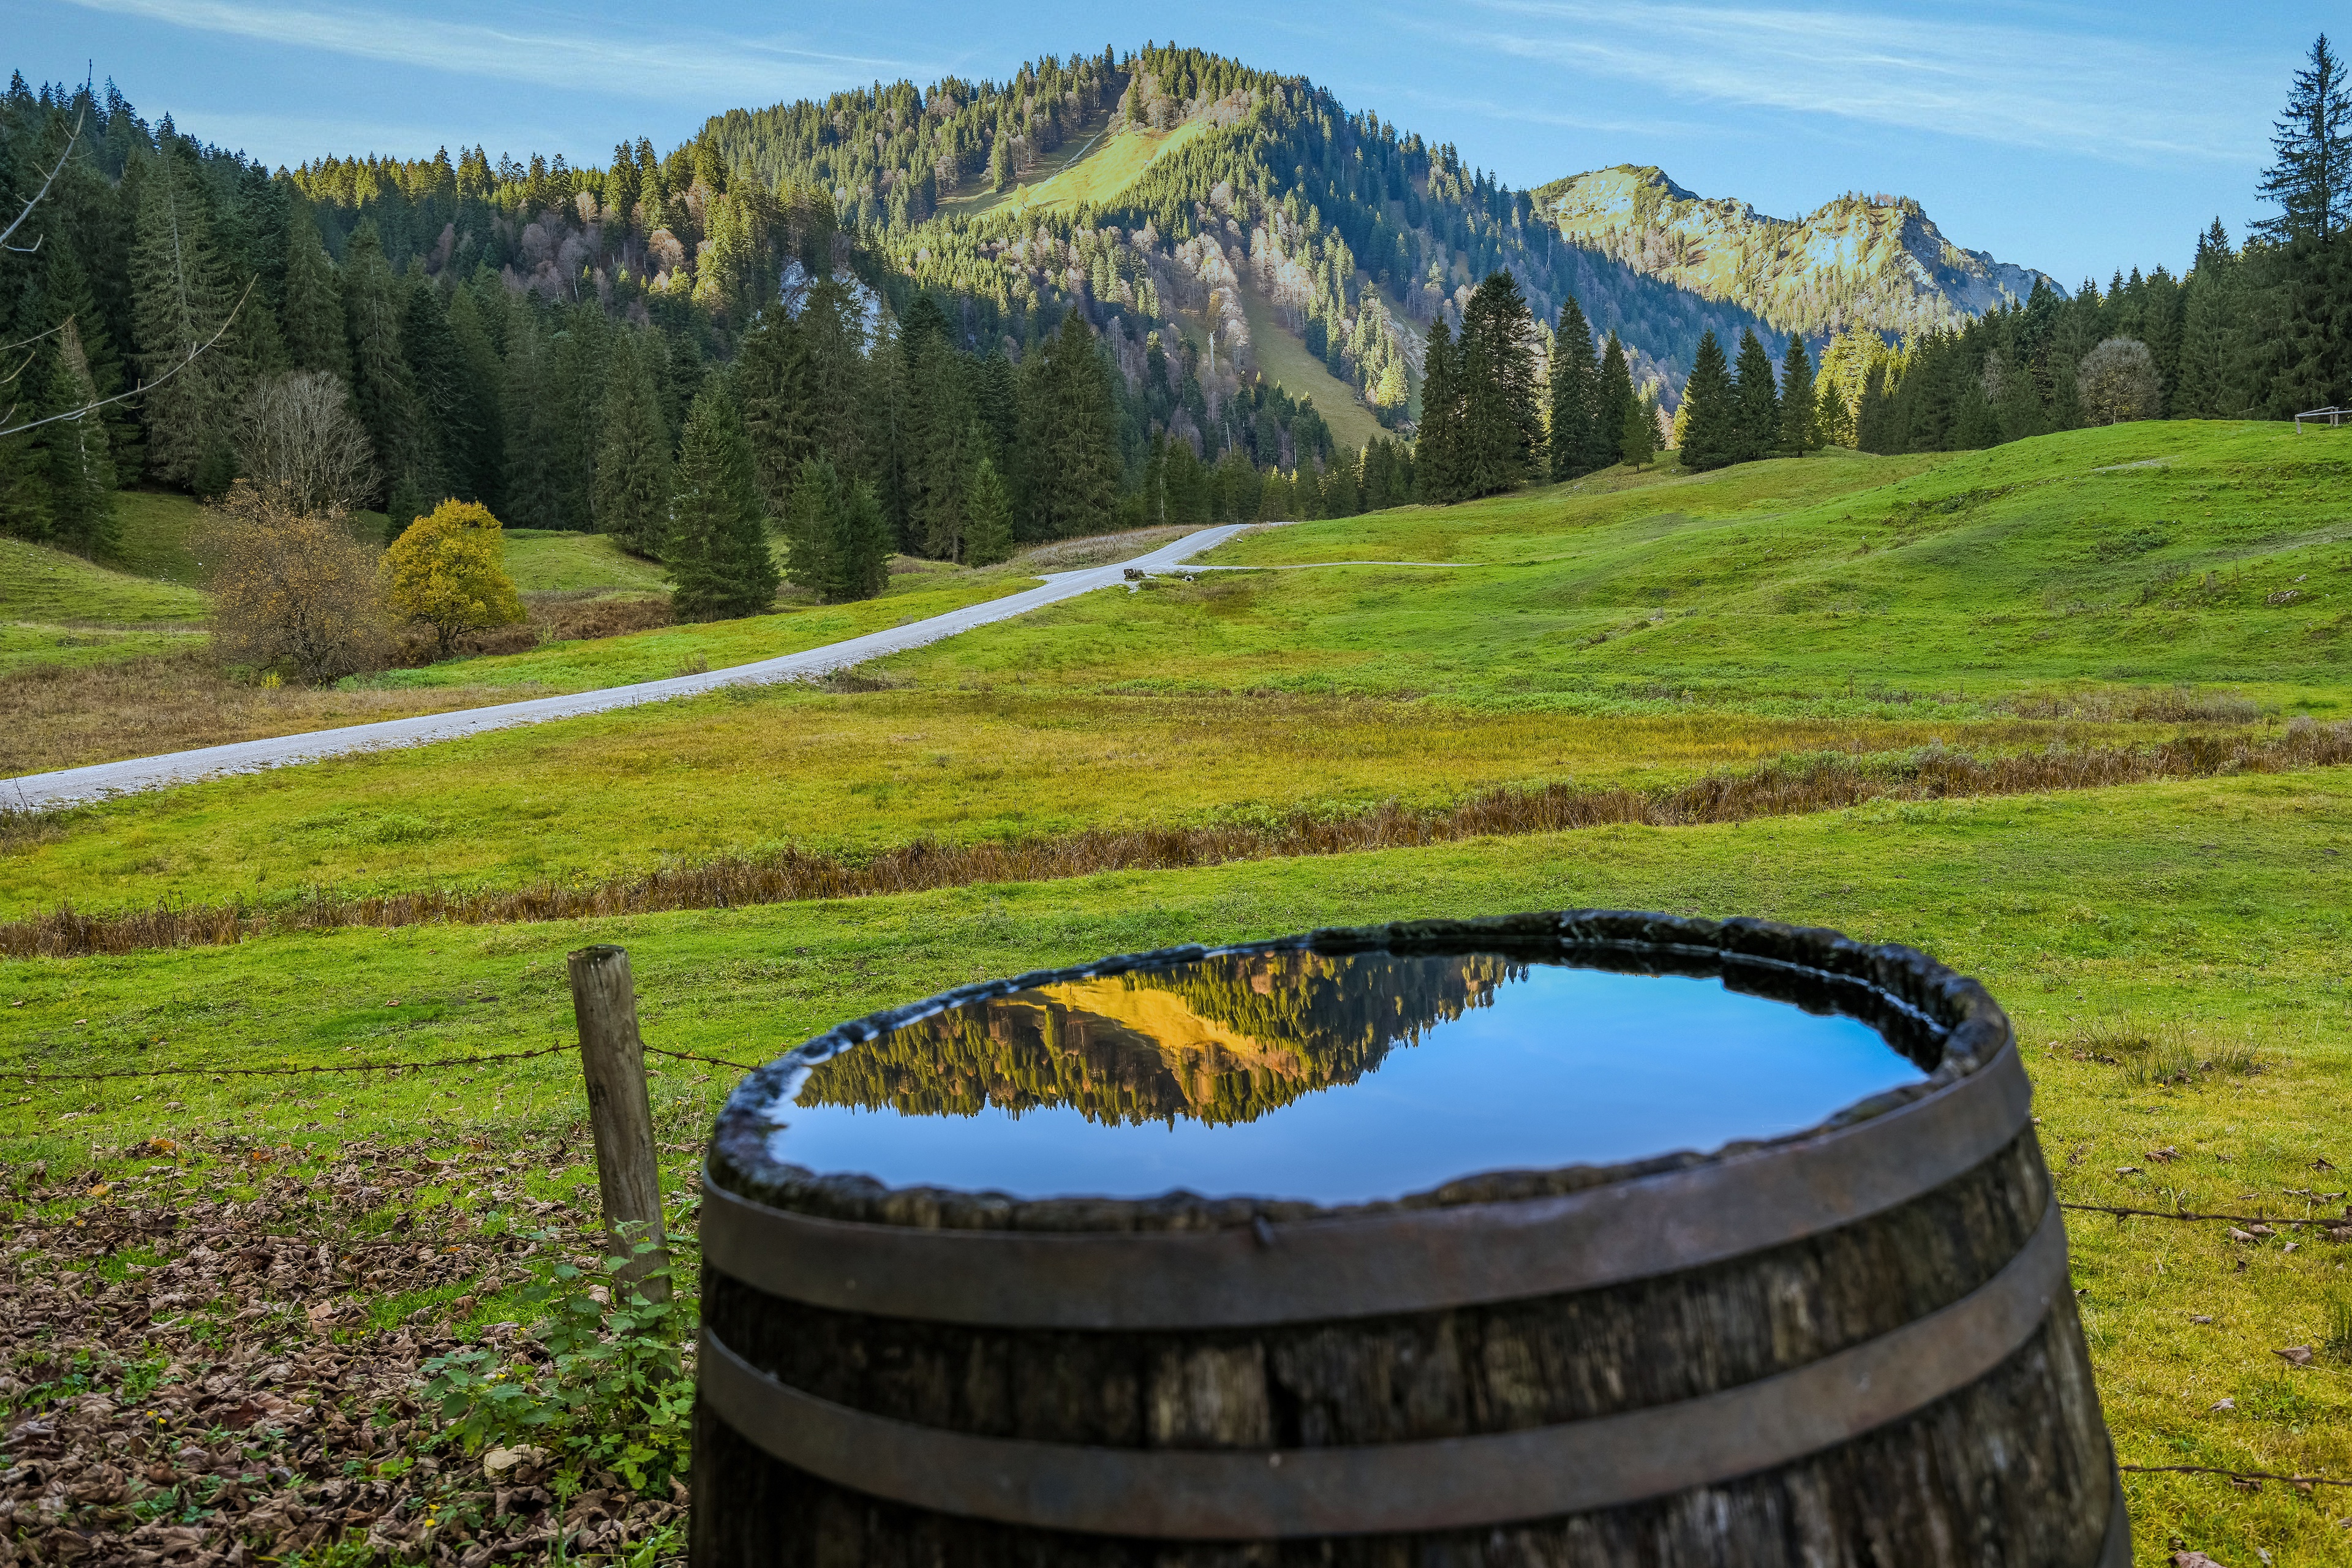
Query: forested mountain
x=1875, y=263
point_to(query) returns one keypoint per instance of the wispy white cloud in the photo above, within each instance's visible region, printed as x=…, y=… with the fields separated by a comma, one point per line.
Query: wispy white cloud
x=2022, y=86
x=718, y=69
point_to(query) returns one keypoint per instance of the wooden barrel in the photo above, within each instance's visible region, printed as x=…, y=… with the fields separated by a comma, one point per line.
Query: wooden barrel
x=1855, y=1345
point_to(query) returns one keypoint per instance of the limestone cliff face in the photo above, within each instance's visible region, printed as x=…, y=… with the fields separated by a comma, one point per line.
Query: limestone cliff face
x=1875, y=263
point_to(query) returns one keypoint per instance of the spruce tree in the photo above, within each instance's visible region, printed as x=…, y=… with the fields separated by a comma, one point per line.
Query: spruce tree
x=2311, y=178
x=717, y=551
x=1637, y=443
x=1609, y=414
x=1575, y=392
x=179, y=303
x=1502, y=423
x=1070, y=434
x=382, y=388
x=813, y=526
x=1707, y=413
x=988, y=535
x=633, y=469
x=1756, y=422
x=1800, y=431
x=529, y=489
x=1437, y=450
x=477, y=360
x=941, y=417
x=771, y=383
x=313, y=320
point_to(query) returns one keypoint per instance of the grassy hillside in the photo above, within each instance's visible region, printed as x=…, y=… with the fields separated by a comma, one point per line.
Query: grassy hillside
x=1282, y=358
x=56, y=608
x=1089, y=170
x=1642, y=629
x=546, y=560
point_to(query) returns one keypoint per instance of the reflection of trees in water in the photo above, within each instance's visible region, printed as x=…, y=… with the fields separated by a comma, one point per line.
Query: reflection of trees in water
x=1225, y=1039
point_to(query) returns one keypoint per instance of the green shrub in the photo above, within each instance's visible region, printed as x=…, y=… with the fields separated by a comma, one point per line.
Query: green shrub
x=612, y=1392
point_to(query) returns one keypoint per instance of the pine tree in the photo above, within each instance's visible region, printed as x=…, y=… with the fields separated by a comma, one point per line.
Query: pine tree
x=2310, y=179
x=1616, y=396
x=717, y=551
x=1756, y=420
x=1637, y=443
x=1800, y=430
x=445, y=391
x=837, y=541
x=1575, y=392
x=940, y=419
x=382, y=389
x=313, y=320
x=179, y=303
x=633, y=469
x=1437, y=450
x=1070, y=433
x=530, y=498
x=1502, y=424
x=988, y=536
x=477, y=360
x=771, y=383
x=1708, y=414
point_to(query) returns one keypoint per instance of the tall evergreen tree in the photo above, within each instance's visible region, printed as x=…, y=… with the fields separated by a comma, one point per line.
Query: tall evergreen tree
x=1708, y=414
x=527, y=479
x=988, y=536
x=1616, y=396
x=1799, y=434
x=633, y=466
x=1503, y=423
x=313, y=320
x=179, y=303
x=1575, y=392
x=2311, y=178
x=1637, y=443
x=837, y=541
x=1070, y=429
x=1756, y=422
x=771, y=376
x=1438, y=449
x=717, y=551
x=445, y=391
x=382, y=388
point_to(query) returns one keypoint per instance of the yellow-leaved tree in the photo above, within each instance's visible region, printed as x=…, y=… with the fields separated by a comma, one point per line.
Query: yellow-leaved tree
x=448, y=570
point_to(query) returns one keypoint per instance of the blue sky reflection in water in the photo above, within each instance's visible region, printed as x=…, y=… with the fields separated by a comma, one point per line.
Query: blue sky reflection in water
x=1563, y=1066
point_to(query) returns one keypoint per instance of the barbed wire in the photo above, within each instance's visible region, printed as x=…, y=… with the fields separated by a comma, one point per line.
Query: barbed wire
x=2235, y=1475
x=35, y=1075
x=2185, y=1213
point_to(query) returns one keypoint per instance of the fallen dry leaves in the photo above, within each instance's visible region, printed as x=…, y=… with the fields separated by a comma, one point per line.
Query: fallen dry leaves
x=199, y=1382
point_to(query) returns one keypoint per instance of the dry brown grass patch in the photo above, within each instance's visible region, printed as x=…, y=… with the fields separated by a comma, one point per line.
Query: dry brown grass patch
x=64, y=716
x=1786, y=788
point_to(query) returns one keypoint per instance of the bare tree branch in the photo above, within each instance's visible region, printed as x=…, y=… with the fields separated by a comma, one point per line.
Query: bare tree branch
x=18, y=220
x=193, y=355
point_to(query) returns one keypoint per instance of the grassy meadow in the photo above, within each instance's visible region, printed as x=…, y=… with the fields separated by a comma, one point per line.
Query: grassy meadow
x=2099, y=589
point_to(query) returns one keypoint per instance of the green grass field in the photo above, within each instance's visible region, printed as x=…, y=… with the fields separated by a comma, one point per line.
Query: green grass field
x=1092, y=164
x=542, y=560
x=2094, y=589
x=1836, y=603
x=2216, y=910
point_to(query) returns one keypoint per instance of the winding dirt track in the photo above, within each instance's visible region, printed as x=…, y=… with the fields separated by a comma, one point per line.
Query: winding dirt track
x=69, y=785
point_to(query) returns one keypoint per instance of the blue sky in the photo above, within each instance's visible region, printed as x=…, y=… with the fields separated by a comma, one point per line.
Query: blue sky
x=2076, y=138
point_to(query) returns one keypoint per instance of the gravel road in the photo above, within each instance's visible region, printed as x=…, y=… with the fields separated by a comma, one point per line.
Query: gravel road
x=69, y=785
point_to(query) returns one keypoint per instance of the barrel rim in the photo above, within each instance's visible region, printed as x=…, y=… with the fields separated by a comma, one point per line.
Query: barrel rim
x=1906, y=990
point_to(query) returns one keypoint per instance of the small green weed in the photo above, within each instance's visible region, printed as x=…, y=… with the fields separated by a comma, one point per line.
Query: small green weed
x=611, y=1392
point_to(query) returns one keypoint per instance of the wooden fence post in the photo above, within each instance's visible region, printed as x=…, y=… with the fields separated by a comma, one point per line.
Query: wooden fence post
x=620, y=1112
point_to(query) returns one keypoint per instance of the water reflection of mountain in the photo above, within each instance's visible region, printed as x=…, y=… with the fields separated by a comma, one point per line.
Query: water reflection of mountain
x=1225, y=1039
